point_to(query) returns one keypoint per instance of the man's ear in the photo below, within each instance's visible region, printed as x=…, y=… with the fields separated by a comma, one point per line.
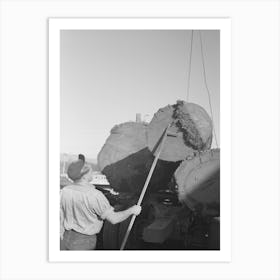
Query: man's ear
x=86, y=168
x=88, y=176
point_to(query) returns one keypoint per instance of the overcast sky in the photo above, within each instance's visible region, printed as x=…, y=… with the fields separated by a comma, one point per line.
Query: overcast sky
x=109, y=76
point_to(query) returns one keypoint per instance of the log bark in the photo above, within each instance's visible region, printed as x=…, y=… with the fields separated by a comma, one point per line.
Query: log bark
x=198, y=181
x=126, y=160
x=125, y=139
x=129, y=151
x=189, y=121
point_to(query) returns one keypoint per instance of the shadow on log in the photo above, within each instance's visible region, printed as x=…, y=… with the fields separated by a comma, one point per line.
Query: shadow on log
x=130, y=173
x=128, y=153
x=126, y=160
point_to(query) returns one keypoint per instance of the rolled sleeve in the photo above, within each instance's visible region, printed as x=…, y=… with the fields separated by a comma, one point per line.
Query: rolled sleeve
x=101, y=205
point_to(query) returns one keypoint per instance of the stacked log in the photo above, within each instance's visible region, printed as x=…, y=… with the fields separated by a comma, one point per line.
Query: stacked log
x=125, y=140
x=198, y=181
x=126, y=160
x=129, y=151
x=191, y=124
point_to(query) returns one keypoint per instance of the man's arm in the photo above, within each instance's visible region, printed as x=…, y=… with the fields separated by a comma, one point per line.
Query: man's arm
x=117, y=217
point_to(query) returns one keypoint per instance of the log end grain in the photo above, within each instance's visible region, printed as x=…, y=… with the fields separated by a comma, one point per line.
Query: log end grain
x=198, y=181
x=189, y=122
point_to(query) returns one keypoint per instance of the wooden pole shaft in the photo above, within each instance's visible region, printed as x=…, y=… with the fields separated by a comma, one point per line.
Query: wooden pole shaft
x=144, y=189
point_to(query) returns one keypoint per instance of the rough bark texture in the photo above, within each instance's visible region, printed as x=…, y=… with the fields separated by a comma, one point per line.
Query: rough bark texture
x=191, y=125
x=126, y=160
x=128, y=153
x=125, y=139
x=198, y=182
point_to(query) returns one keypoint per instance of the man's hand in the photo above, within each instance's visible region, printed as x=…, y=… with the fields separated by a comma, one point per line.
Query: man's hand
x=136, y=210
x=117, y=217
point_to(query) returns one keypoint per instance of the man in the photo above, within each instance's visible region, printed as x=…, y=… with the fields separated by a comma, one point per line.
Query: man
x=83, y=209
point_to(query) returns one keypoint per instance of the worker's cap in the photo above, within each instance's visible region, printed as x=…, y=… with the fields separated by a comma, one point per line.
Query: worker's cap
x=77, y=169
x=82, y=157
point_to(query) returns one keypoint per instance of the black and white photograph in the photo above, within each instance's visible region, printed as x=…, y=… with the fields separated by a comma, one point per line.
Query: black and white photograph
x=139, y=139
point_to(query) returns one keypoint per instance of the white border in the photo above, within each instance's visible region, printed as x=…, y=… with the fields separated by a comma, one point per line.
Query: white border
x=55, y=25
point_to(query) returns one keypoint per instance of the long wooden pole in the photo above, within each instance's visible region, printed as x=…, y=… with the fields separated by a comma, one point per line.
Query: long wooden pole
x=144, y=188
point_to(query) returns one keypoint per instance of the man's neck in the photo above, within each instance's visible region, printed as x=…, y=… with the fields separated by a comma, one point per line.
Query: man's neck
x=82, y=182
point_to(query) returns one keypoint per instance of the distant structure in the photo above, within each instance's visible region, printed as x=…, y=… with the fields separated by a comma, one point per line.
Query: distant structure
x=138, y=118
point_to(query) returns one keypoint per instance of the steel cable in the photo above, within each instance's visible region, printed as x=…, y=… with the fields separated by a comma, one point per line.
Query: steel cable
x=190, y=67
x=207, y=88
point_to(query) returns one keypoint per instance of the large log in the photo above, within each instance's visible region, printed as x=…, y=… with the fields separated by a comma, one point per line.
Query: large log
x=129, y=151
x=189, y=121
x=126, y=160
x=198, y=181
x=125, y=139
